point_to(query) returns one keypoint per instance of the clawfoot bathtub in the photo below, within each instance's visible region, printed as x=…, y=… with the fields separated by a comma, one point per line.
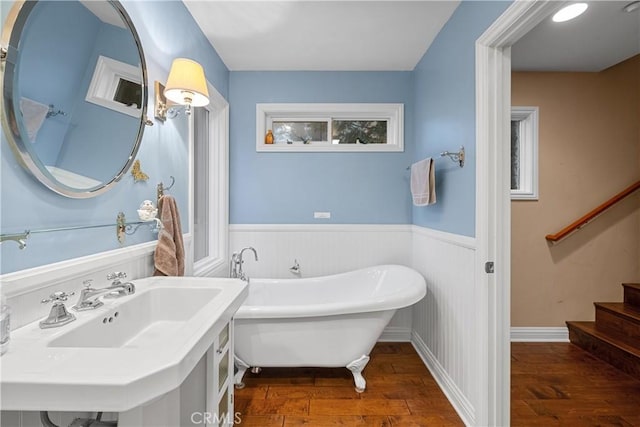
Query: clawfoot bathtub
x=330, y=321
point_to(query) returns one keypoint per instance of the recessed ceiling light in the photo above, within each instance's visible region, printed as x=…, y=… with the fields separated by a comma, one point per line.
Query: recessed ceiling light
x=632, y=6
x=569, y=12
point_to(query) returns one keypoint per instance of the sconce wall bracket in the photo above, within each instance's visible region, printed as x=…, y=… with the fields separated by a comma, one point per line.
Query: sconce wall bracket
x=162, y=106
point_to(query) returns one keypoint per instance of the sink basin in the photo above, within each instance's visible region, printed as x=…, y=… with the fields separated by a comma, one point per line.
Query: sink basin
x=123, y=354
x=140, y=320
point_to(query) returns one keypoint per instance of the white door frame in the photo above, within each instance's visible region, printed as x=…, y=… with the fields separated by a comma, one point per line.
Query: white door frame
x=218, y=195
x=493, y=201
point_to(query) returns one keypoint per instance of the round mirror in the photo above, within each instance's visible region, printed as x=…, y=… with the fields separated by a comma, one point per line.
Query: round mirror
x=74, y=92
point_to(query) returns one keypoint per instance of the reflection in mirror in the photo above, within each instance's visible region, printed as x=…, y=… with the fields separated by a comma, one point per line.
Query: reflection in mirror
x=75, y=84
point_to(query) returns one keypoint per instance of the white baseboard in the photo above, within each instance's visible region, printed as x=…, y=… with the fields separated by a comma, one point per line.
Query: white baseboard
x=456, y=397
x=395, y=334
x=539, y=334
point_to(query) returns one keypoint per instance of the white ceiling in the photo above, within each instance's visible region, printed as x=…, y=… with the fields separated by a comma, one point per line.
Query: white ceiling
x=393, y=35
x=601, y=37
x=321, y=35
x=105, y=12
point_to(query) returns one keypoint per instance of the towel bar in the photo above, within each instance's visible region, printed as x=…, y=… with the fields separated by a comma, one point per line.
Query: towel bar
x=457, y=156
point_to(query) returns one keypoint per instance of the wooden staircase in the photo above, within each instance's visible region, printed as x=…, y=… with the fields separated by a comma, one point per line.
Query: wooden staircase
x=615, y=335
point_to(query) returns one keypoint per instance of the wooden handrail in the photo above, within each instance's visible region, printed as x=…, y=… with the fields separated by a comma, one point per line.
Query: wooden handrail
x=585, y=219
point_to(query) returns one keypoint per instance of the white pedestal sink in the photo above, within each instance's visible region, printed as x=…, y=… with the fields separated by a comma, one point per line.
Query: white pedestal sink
x=122, y=355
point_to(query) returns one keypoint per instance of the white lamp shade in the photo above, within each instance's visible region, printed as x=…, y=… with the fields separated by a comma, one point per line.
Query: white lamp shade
x=186, y=83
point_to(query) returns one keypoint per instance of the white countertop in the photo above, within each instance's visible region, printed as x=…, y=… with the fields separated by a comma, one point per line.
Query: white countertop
x=36, y=376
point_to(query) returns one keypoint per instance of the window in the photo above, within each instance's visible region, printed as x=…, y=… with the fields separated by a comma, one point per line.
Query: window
x=210, y=199
x=524, y=153
x=330, y=127
x=117, y=86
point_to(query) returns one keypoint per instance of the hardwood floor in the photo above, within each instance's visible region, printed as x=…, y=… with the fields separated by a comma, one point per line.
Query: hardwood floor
x=561, y=384
x=400, y=392
x=551, y=384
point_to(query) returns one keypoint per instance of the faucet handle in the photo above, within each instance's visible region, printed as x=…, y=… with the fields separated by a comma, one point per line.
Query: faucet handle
x=57, y=296
x=87, y=283
x=116, y=275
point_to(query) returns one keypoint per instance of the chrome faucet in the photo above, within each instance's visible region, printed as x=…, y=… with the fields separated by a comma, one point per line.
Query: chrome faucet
x=295, y=268
x=235, y=265
x=58, y=315
x=89, y=296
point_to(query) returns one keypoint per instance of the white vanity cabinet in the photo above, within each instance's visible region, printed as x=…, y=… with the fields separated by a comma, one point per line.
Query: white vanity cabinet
x=205, y=398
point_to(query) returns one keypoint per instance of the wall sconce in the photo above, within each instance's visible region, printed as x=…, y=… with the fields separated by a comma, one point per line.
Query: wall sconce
x=186, y=86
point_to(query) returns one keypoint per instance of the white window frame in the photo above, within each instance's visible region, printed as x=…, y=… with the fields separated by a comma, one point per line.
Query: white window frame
x=528, y=151
x=392, y=113
x=215, y=264
x=104, y=84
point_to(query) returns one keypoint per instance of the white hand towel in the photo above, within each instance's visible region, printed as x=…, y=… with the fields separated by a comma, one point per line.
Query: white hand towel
x=33, y=115
x=423, y=182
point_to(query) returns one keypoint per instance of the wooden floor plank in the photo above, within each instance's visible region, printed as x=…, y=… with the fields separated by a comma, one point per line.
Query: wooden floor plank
x=430, y=406
x=272, y=406
x=261, y=420
x=337, y=421
x=424, y=420
x=342, y=407
x=312, y=392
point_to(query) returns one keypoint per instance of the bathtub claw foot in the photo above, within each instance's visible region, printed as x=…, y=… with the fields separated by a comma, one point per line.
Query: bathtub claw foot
x=242, y=368
x=356, y=367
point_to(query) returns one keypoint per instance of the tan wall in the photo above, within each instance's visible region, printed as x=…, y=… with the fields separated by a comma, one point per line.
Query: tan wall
x=589, y=149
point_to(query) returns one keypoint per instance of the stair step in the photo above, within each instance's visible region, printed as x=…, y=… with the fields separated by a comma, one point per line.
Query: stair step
x=619, y=318
x=632, y=294
x=606, y=345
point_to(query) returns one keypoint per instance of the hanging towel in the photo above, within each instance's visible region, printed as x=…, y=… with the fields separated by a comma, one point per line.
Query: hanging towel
x=423, y=182
x=33, y=115
x=169, y=255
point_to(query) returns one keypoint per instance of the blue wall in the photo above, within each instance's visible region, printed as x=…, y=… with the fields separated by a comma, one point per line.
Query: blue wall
x=167, y=30
x=444, y=115
x=286, y=188
x=439, y=99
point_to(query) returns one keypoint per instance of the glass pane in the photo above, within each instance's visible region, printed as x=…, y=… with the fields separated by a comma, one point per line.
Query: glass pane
x=128, y=93
x=305, y=132
x=223, y=370
x=223, y=410
x=223, y=338
x=515, y=155
x=201, y=232
x=359, y=131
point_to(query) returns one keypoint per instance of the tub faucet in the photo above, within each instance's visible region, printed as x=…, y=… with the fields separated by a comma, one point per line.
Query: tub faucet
x=235, y=267
x=295, y=269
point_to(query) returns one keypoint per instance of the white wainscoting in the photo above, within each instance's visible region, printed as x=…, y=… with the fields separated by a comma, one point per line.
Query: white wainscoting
x=324, y=249
x=444, y=322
